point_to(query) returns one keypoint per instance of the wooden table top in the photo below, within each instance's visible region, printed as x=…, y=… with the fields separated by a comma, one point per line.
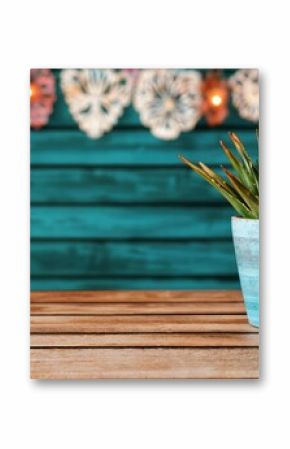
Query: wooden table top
x=142, y=334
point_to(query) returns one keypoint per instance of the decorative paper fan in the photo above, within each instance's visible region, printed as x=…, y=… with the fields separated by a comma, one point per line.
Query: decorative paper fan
x=134, y=73
x=169, y=101
x=245, y=93
x=96, y=98
x=42, y=96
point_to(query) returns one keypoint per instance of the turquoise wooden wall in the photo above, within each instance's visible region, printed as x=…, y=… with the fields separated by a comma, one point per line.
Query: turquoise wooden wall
x=122, y=212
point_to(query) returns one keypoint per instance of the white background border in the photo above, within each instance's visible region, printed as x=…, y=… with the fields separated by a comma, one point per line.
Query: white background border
x=149, y=414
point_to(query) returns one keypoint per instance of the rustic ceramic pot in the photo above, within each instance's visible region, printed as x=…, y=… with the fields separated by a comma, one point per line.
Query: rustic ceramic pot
x=246, y=242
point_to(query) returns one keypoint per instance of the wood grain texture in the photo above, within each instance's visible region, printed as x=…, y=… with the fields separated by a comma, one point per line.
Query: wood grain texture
x=152, y=259
x=127, y=148
x=211, y=339
x=140, y=323
x=121, y=296
x=143, y=308
x=120, y=185
x=195, y=363
x=141, y=334
x=127, y=222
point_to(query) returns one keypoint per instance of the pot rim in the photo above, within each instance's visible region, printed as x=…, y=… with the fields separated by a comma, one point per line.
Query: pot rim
x=234, y=217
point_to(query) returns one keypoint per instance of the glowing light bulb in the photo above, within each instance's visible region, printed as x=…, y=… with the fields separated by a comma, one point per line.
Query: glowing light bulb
x=216, y=100
x=33, y=90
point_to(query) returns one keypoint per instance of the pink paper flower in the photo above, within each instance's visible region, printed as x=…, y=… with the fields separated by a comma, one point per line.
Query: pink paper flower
x=42, y=96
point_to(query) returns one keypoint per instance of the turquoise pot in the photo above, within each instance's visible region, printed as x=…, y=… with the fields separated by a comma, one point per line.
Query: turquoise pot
x=246, y=241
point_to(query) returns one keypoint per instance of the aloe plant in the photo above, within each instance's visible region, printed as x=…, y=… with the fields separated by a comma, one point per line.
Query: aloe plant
x=241, y=188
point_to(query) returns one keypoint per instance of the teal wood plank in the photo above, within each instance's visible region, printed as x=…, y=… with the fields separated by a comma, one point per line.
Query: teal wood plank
x=117, y=185
x=121, y=283
x=138, y=148
x=133, y=258
x=129, y=222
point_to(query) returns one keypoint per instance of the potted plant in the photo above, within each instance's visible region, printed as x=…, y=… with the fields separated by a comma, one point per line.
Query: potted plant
x=241, y=189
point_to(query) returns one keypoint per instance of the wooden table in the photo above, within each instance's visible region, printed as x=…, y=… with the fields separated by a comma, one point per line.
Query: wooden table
x=142, y=334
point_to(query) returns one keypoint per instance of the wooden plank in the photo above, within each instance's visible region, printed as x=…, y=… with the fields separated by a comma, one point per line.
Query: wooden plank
x=144, y=340
x=133, y=258
x=130, y=222
x=127, y=148
x=145, y=308
x=156, y=296
x=134, y=343
x=199, y=363
x=140, y=323
x=117, y=185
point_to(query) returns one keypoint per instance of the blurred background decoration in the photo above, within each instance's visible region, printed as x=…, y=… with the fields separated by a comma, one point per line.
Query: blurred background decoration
x=96, y=98
x=42, y=96
x=245, y=93
x=169, y=101
x=121, y=211
x=134, y=74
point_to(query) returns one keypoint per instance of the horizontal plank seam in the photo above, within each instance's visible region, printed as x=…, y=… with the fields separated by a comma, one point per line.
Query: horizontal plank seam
x=133, y=314
x=178, y=204
x=43, y=301
x=142, y=347
x=130, y=315
x=142, y=239
x=138, y=127
x=214, y=331
x=91, y=165
x=145, y=167
x=133, y=276
x=217, y=203
x=86, y=332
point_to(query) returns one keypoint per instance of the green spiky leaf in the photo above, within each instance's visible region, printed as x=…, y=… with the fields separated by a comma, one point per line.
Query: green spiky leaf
x=242, y=190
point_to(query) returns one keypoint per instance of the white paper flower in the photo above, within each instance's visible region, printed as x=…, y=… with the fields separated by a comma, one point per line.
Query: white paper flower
x=169, y=101
x=96, y=98
x=245, y=93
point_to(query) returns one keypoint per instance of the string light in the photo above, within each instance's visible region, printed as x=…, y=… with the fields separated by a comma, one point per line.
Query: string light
x=215, y=98
x=34, y=91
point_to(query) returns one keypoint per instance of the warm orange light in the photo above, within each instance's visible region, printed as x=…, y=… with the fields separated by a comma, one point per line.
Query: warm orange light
x=34, y=91
x=216, y=100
